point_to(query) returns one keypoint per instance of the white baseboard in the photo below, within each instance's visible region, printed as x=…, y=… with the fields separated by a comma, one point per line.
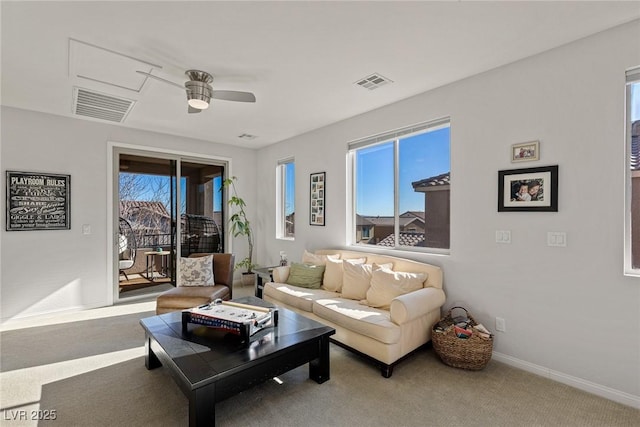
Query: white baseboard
x=579, y=383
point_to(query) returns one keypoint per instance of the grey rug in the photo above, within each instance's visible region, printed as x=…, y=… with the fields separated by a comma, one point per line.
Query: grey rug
x=421, y=392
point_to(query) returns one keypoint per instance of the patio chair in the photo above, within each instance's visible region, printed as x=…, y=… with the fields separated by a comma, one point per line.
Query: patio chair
x=126, y=247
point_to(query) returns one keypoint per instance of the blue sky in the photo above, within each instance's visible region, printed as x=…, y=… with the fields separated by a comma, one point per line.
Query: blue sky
x=421, y=156
x=290, y=182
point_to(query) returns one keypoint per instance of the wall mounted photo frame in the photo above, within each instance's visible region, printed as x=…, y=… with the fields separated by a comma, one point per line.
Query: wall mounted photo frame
x=317, y=207
x=38, y=201
x=525, y=152
x=529, y=189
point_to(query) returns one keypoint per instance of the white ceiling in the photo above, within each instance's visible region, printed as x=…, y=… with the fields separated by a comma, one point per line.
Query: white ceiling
x=300, y=59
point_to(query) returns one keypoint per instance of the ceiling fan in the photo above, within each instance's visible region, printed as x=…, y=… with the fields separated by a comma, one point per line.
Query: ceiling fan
x=200, y=92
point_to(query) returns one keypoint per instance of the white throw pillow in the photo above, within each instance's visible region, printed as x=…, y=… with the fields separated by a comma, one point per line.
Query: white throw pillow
x=356, y=279
x=334, y=271
x=309, y=258
x=280, y=274
x=197, y=271
x=387, y=284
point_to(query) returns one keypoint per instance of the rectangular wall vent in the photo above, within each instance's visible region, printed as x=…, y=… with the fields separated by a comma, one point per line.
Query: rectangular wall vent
x=101, y=106
x=374, y=81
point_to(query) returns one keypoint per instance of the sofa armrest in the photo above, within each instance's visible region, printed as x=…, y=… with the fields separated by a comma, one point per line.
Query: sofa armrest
x=415, y=304
x=280, y=274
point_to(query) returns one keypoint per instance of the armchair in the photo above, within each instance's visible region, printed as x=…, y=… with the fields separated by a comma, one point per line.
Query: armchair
x=183, y=297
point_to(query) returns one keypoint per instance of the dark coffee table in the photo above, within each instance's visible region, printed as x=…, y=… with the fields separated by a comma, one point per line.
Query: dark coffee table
x=209, y=365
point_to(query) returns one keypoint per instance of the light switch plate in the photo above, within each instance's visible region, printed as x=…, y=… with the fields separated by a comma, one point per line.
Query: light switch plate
x=556, y=238
x=503, y=236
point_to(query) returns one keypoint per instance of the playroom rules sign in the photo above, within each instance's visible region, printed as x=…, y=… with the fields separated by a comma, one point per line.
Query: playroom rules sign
x=38, y=201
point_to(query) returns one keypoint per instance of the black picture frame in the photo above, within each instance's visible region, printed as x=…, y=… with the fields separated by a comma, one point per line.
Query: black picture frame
x=317, y=193
x=540, y=194
x=38, y=201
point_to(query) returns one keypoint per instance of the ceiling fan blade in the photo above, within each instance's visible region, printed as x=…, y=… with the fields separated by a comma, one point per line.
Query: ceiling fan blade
x=160, y=79
x=233, y=95
x=192, y=110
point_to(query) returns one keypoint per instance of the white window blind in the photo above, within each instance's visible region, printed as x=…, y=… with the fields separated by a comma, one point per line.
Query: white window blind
x=397, y=133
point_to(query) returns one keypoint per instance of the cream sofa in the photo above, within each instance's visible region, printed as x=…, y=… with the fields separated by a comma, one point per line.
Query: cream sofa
x=384, y=334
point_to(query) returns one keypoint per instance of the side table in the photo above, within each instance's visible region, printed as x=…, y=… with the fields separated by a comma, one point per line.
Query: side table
x=261, y=274
x=151, y=266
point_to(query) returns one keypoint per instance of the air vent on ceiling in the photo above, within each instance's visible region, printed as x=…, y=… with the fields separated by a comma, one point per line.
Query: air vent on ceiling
x=374, y=81
x=100, y=106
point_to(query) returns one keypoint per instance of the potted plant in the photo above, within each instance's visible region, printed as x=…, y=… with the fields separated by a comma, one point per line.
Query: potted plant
x=240, y=226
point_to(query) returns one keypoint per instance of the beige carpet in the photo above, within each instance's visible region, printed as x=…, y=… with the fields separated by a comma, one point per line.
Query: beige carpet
x=89, y=368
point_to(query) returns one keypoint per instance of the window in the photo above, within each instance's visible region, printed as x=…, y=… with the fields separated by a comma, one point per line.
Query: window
x=401, y=186
x=285, y=199
x=632, y=213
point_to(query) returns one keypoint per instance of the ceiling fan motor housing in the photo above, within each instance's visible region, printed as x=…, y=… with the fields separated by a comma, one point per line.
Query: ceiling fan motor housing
x=199, y=90
x=198, y=94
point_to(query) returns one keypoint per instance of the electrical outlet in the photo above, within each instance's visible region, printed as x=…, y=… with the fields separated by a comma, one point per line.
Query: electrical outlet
x=501, y=324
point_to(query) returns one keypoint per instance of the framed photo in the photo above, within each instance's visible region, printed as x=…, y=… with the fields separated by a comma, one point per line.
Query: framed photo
x=530, y=189
x=38, y=201
x=525, y=152
x=316, y=199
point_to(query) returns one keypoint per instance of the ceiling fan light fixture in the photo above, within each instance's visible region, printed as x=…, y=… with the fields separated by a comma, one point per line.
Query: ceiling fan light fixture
x=198, y=94
x=200, y=104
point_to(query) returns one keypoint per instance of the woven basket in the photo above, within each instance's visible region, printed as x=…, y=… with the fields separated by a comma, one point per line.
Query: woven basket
x=472, y=353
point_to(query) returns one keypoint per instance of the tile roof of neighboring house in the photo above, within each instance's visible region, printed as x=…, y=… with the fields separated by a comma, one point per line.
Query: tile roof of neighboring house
x=434, y=181
x=406, y=239
x=386, y=220
x=417, y=214
x=362, y=220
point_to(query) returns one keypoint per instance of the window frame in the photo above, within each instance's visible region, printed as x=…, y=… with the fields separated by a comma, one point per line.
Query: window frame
x=632, y=76
x=281, y=198
x=394, y=136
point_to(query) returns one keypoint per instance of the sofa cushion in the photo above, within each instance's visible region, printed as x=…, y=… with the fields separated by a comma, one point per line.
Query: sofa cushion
x=368, y=321
x=357, y=278
x=301, y=298
x=306, y=275
x=333, y=273
x=387, y=284
x=196, y=271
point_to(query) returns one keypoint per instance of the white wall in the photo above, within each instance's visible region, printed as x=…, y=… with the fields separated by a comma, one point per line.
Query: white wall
x=47, y=271
x=570, y=312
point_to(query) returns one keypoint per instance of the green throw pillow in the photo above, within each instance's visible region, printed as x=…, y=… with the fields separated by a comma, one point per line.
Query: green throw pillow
x=306, y=275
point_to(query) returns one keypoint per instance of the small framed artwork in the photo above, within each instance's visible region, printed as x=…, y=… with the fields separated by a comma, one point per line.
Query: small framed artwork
x=525, y=152
x=38, y=201
x=529, y=189
x=316, y=202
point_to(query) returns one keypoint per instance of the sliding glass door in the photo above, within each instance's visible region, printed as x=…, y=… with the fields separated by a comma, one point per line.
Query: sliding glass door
x=168, y=206
x=201, y=215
